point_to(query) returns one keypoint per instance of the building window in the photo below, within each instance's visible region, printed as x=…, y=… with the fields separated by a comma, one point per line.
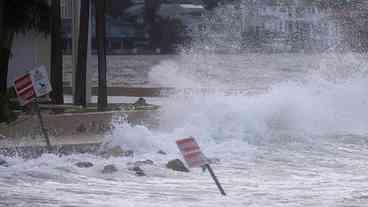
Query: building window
x=280, y=28
x=291, y=29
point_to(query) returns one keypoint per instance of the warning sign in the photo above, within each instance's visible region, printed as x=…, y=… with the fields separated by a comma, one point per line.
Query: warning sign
x=40, y=80
x=31, y=85
x=191, y=152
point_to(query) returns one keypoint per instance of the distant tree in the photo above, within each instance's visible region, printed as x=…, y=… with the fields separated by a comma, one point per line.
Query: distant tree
x=353, y=18
x=211, y=4
x=169, y=33
x=116, y=8
x=151, y=18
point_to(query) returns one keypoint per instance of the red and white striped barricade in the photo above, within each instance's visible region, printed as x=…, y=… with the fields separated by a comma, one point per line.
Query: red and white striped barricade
x=191, y=152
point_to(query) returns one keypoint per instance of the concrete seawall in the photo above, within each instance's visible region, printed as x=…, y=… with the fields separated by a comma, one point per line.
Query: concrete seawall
x=69, y=132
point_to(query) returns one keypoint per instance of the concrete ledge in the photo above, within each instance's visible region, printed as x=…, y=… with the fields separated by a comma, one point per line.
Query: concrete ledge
x=68, y=132
x=130, y=91
x=166, y=91
x=30, y=152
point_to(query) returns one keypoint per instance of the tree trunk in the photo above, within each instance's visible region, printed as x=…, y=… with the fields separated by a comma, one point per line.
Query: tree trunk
x=1, y=20
x=4, y=61
x=3, y=55
x=5, y=51
x=81, y=70
x=150, y=10
x=56, y=54
x=101, y=49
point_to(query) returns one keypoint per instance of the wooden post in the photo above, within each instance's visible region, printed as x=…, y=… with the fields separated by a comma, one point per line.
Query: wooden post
x=81, y=70
x=215, y=179
x=56, y=71
x=101, y=50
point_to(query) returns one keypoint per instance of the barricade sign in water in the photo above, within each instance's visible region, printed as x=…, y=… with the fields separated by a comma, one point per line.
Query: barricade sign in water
x=195, y=158
x=191, y=152
x=31, y=85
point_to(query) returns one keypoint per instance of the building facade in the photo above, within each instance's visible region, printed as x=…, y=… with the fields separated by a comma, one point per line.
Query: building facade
x=294, y=26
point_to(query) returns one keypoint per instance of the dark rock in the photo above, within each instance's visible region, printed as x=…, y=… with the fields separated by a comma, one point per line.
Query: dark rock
x=84, y=164
x=108, y=169
x=213, y=160
x=140, y=102
x=138, y=171
x=177, y=165
x=3, y=163
x=162, y=152
x=145, y=162
x=116, y=151
x=81, y=128
x=129, y=153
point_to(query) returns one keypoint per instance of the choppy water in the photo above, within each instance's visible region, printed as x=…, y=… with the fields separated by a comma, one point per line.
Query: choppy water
x=299, y=140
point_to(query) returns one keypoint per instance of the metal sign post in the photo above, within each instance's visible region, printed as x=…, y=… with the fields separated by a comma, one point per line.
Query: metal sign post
x=195, y=158
x=42, y=126
x=215, y=179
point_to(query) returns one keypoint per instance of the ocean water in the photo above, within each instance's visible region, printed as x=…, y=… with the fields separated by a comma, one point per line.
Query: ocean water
x=298, y=139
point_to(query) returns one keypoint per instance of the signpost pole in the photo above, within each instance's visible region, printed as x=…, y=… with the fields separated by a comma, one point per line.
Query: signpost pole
x=43, y=129
x=215, y=179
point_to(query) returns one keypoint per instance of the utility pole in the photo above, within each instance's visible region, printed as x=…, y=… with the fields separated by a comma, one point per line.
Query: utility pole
x=101, y=50
x=56, y=71
x=81, y=66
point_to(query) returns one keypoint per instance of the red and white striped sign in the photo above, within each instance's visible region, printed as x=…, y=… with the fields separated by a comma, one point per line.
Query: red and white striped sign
x=191, y=152
x=31, y=85
x=24, y=89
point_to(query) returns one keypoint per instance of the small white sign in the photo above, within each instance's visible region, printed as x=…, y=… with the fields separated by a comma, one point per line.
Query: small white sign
x=40, y=81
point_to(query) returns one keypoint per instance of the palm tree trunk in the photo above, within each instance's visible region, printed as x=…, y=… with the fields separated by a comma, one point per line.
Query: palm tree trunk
x=101, y=49
x=5, y=51
x=56, y=54
x=150, y=10
x=80, y=96
x=3, y=73
x=1, y=19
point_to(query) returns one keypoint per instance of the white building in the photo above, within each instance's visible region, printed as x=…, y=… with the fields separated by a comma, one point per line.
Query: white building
x=295, y=24
x=66, y=7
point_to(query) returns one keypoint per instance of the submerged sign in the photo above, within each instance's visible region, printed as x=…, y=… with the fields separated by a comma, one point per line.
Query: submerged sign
x=191, y=152
x=31, y=85
x=195, y=158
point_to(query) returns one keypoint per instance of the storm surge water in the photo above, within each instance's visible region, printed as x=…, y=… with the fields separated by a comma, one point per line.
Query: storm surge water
x=289, y=129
